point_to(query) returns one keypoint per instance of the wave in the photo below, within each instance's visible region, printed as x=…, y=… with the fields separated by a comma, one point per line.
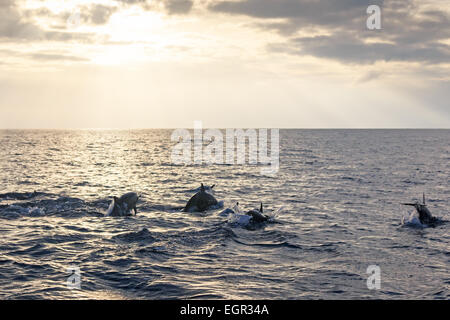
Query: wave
x=20, y=195
x=140, y=236
x=40, y=204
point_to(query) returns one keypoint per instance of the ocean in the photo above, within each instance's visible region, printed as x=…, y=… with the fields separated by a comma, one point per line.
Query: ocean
x=335, y=205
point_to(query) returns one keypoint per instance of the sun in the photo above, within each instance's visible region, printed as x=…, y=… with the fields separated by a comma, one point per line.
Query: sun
x=132, y=36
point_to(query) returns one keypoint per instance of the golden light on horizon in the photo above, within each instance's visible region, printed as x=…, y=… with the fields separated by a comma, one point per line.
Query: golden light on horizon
x=176, y=61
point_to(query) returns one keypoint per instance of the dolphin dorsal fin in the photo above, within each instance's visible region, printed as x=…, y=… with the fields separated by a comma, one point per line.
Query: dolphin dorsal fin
x=261, y=208
x=424, y=198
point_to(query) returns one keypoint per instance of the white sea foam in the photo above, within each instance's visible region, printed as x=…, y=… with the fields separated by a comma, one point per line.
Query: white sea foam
x=110, y=208
x=412, y=220
x=35, y=211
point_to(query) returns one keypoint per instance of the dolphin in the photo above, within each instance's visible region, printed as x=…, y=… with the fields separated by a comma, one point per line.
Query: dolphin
x=200, y=201
x=115, y=209
x=257, y=215
x=425, y=216
x=129, y=199
x=121, y=206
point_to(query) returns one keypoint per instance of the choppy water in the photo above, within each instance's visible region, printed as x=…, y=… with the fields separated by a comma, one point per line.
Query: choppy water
x=337, y=195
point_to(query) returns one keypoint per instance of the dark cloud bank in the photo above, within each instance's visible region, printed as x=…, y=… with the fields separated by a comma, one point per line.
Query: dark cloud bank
x=408, y=32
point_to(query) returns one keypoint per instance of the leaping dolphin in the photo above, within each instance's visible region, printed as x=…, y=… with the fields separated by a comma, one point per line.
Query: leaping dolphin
x=122, y=206
x=425, y=216
x=129, y=199
x=200, y=201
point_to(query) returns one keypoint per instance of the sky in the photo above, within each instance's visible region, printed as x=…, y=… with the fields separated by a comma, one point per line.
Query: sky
x=230, y=64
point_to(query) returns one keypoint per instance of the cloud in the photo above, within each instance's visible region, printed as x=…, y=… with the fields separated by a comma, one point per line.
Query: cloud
x=410, y=31
x=55, y=57
x=132, y=1
x=369, y=76
x=171, y=6
x=178, y=6
x=17, y=26
x=13, y=25
x=350, y=49
x=300, y=12
x=99, y=14
x=94, y=14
